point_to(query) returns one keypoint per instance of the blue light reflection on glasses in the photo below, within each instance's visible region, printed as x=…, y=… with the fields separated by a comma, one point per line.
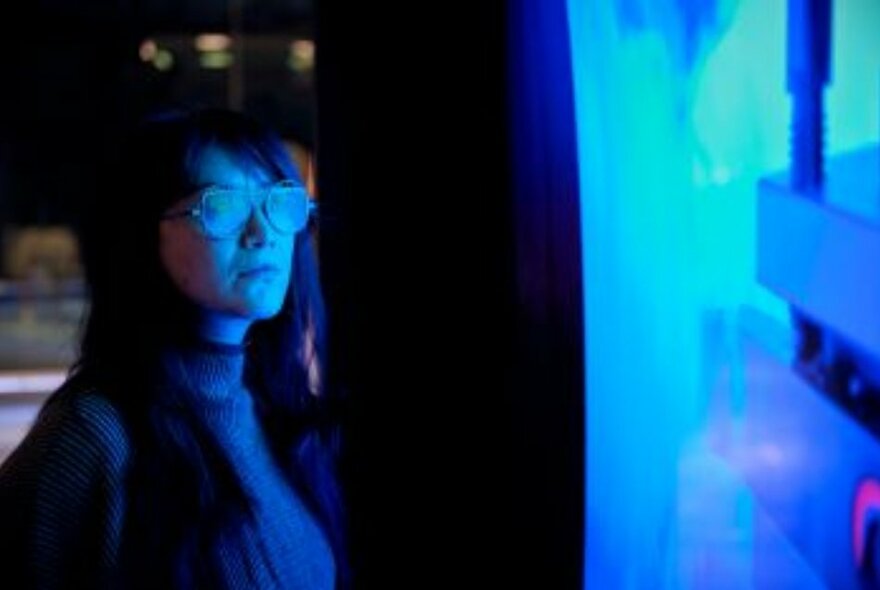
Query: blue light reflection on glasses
x=224, y=211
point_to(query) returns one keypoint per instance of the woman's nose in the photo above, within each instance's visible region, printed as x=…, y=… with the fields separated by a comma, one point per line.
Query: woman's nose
x=258, y=232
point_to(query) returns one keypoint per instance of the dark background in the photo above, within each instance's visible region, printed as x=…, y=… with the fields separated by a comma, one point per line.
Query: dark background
x=72, y=77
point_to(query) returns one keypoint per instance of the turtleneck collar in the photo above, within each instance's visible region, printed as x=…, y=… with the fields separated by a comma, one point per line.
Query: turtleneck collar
x=212, y=371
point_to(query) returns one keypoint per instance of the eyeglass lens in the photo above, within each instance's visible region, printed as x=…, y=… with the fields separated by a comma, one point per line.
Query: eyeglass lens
x=225, y=211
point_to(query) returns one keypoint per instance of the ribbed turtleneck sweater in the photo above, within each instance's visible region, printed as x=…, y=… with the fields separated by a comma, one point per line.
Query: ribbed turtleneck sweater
x=63, y=496
x=283, y=547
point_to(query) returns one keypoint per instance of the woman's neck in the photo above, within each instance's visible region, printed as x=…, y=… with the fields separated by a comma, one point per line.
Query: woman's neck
x=222, y=328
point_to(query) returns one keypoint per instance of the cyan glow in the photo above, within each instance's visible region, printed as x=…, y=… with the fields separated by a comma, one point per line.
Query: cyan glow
x=681, y=107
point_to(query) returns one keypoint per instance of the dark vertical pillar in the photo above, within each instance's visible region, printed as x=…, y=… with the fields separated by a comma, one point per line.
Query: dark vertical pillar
x=548, y=391
x=446, y=464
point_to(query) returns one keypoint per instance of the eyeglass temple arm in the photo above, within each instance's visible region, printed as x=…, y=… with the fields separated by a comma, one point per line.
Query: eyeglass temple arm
x=194, y=212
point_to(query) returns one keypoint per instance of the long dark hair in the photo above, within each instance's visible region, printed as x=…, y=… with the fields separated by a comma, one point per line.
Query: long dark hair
x=183, y=494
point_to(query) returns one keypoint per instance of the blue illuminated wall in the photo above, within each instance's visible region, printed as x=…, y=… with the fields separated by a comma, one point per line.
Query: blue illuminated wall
x=681, y=107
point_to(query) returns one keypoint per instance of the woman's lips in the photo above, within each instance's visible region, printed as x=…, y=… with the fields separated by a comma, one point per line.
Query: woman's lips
x=260, y=272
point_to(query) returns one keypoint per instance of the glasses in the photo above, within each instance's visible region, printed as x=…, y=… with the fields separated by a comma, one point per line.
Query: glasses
x=224, y=212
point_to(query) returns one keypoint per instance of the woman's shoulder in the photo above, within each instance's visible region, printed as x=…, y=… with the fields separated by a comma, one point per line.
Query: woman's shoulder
x=62, y=490
x=75, y=432
x=90, y=423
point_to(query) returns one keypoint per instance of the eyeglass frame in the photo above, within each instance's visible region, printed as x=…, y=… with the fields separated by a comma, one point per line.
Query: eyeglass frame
x=195, y=211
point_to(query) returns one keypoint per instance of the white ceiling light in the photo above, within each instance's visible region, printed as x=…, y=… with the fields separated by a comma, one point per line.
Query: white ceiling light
x=301, y=56
x=147, y=50
x=213, y=42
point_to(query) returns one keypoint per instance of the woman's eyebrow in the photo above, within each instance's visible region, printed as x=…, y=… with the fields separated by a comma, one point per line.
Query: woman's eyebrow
x=198, y=187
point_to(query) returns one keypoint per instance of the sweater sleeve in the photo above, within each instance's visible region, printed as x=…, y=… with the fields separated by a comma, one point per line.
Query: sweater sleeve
x=62, y=497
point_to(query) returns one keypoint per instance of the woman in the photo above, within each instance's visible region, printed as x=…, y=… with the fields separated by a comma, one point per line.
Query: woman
x=191, y=446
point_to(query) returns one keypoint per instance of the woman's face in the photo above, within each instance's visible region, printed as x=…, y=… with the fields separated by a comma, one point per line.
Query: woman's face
x=234, y=280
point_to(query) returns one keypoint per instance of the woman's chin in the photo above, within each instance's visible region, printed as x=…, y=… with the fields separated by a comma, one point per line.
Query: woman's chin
x=261, y=310
x=260, y=304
